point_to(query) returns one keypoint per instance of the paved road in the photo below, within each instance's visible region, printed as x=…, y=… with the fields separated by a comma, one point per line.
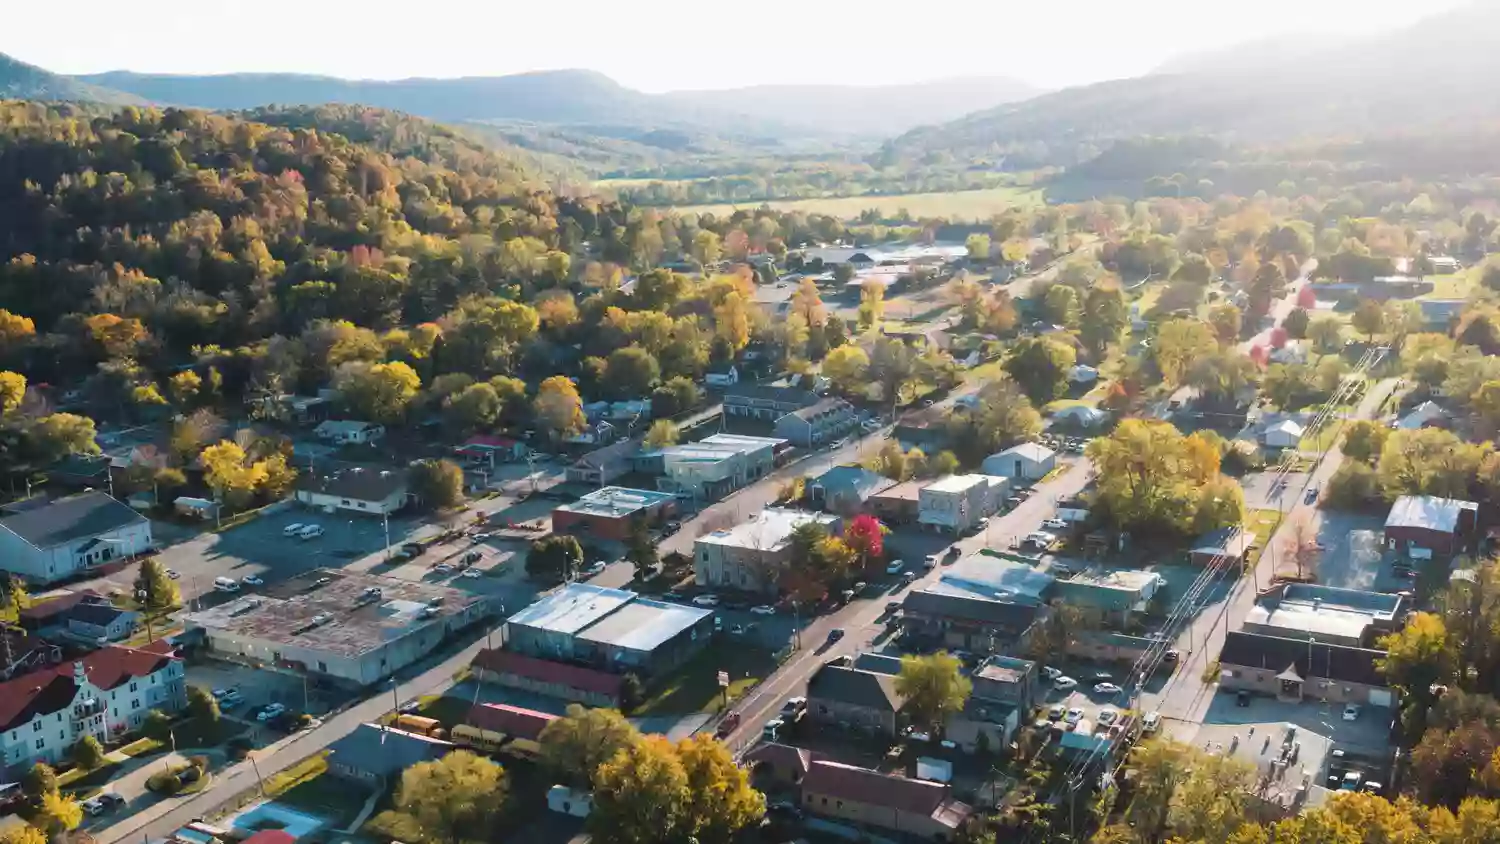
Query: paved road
x=1185, y=698
x=859, y=618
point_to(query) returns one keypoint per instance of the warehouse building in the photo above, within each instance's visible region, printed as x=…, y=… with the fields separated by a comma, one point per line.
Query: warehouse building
x=612, y=630
x=610, y=513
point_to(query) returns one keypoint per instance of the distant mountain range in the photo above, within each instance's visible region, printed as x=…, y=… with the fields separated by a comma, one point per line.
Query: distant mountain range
x=21, y=81
x=1435, y=72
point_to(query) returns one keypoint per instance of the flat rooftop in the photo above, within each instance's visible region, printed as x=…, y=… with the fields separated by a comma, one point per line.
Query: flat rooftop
x=1310, y=608
x=993, y=578
x=1125, y=580
x=766, y=530
x=956, y=483
x=1004, y=669
x=718, y=447
x=572, y=608
x=617, y=501
x=643, y=625
x=340, y=617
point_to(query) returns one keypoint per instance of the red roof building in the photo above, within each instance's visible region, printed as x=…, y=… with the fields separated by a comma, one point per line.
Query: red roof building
x=555, y=679
x=511, y=720
x=915, y=807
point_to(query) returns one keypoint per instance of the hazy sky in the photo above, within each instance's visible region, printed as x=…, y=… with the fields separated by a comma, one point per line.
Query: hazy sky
x=658, y=45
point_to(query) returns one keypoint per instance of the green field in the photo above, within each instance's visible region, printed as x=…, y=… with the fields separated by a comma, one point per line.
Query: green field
x=968, y=205
x=1452, y=285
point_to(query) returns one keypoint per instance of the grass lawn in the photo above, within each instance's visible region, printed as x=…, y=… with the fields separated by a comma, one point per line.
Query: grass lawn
x=1263, y=524
x=283, y=782
x=969, y=204
x=695, y=687
x=1321, y=439
x=1451, y=285
x=337, y=799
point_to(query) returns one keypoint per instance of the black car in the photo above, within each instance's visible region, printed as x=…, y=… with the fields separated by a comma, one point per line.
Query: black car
x=835, y=634
x=1242, y=699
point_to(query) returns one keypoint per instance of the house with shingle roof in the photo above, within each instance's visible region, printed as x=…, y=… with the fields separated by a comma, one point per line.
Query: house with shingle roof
x=913, y=807
x=377, y=753
x=43, y=541
x=854, y=699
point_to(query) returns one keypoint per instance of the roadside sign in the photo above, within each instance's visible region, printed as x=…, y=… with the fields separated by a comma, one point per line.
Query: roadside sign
x=723, y=679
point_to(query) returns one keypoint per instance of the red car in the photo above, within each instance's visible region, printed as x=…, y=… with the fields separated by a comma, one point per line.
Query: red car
x=728, y=725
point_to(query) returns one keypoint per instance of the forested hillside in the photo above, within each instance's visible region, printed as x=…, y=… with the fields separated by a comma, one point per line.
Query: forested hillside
x=20, y=80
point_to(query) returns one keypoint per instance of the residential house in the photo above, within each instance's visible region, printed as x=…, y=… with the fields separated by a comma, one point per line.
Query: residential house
x=43, y=541
x=1027, y=461
x=752, y=554
x=954, y=504
x=377, y=754
x=488, y=450
x=1303, y=669
x=1113, y=595
x=1423, y=415
x=358, y=489
x=1232, y=543
x=717, y=465
x=813, y=426
x=349, y=432
x=845, y=489
x=612, y=630
x=1003, y=691
x=603, y=465
x=722, y=379
x=925, y=429
x=613, y=512
x=765, y=402
x=105, y=694
x=53, y=612
x=1284, y=434
x=1423, y=525
x=916, y=808
x=100, y=623
x=899, y=504
x=849, y=698
x=596, y=433
x=1080, y=417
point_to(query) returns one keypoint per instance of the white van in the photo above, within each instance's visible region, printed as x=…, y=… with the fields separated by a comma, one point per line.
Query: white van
x=310, y=531
x=226, y=584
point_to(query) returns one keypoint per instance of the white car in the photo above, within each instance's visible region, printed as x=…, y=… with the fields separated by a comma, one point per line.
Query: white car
x=1107, y=689
x=271, y=711
x=1108, y=716
x=252, y=580
x=763, y=609
x=595, y=567
x=1064, y=683
x=292, y=529
x=1351, y=712
x=1055, y=712
x=1055, y=524
x=895, y=567
x=472, y=573
x=1051, y=673
x=1073, y=716
x=1151, y=723
x=310, y=531
x=706, y=601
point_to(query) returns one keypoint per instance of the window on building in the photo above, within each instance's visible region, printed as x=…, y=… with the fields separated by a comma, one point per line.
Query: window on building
x=37, y=727
x=135, y=704
x=132, y=687
x=323, y=666
x=40, y=743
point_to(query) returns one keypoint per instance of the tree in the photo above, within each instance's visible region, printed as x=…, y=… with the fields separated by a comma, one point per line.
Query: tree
x=380, y=392
x=155, y=589
x=707, y=248
x=88, y=753
x=1060, y=305
x=39, y=781
x=15, y=330
x=447, y=801
x=808, y=303
x=558, y=407
x=632, y=372
x=1302, y=548
x=1429, y=461
x=1364, y=440
x=676, y=395
x=1226, y=321
x=732, y=321
x=1104, y=317
x=871, y=305
x=662, y=434
x=472, y=408
x=979, y=247
x=1418, y=656
x=1354, y=486
x=893, y=365
x=1296, y=323
x=57, y=814
x=1268, y=285
x=13, y=597
x=847, y=367
x=555, y=557
x=574, y=746
x=24, y=834
x=185, y=387
x=815, y=561
x=1179, y=342
x=1326, y=335
x=60, y=434
x=890, y=461
x=1000, y=317
x=942, y=464
x=640, y=550
x=1212, y=800
x=866, y=536
x=12, y=390
x=437, y=483
x=933, y=686
x=1151, y=477
x=1369, y=318
x=641, y=795
x=722, y=802
x=202, y=705
x=1041, y=367
x=229, y=473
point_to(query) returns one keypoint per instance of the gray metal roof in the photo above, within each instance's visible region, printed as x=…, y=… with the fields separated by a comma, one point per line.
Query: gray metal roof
x=47, y=524
x=1428, y=512
x=643, y=625
x=572, y=608
x=382, y=751
x=852, y=686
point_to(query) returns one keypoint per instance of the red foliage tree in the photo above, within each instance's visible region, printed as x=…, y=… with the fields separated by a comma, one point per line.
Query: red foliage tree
x=866, y=536
x=1260, y=355
x=1278, y=337
x=1307, y=299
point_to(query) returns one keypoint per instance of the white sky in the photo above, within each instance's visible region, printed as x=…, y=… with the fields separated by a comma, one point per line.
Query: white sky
x=657, y=45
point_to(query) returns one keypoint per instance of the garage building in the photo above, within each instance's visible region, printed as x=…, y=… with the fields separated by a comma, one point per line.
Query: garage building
x=609, y=513
x=1423, y=525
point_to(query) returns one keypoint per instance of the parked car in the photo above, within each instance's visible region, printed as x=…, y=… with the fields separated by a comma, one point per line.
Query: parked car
x=670, y=528
x=1351, y=712
x=412, y=549
x=1055, y=524
x=292, y=529
x=473, y=557
x=1073, y=716
x=252, y=580
x=1050, y=673
x=930, y=562
x=442, y=568
x=794, y=707
x=1107, y=689
x=1055, y=712
x=471, y=573
x=595, y=567
x=174, y=574
x=1108, y=716
x=727, y=726
x=1064, y=683
x=310, y=532
x=1312, y=494
x=1151, y=723
x=706, y=601
x=909, y=577
x=270, y=711
x=835, y=634
x=763, y=609
x=895, y=567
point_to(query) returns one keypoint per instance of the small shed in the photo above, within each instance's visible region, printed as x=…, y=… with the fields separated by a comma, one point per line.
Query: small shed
x=198, y=508
x=1284, y=434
